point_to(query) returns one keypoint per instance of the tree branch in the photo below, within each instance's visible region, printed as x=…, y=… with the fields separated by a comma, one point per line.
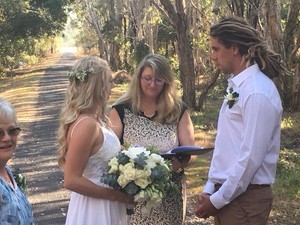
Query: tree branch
x=170, y=11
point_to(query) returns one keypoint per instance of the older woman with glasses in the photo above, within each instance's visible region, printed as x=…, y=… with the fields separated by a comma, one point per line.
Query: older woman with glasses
x=151, y=113
x=14, y=206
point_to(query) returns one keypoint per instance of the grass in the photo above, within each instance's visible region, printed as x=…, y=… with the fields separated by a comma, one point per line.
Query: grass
x=287, y=185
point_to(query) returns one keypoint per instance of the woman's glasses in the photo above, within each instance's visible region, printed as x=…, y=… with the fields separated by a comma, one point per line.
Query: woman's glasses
x=149, y=80
x=13, y=132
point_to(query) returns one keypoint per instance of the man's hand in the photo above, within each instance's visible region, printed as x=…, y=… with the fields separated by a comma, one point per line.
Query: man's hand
x=205, y=208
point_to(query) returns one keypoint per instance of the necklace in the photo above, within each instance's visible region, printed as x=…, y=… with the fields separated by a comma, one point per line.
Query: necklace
x=6, y=178
x=149, y=116
x=148, y=112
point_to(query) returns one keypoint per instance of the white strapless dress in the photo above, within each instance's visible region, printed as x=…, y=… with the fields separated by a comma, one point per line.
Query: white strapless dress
x=84, y=210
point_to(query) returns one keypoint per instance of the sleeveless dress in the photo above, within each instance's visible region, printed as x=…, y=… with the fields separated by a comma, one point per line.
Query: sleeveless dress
x=84, y=210
x=143, y=131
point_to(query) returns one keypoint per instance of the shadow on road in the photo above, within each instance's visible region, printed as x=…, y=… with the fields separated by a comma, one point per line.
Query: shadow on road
x=36, y=155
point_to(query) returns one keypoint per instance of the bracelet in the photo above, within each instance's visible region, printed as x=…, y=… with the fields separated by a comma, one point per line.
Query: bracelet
x=180, y=169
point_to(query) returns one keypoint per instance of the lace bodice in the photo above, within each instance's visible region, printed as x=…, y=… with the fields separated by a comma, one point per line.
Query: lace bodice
x=98, y=163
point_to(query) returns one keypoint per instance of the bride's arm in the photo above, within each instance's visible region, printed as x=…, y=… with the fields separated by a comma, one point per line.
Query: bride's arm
x=87, y=137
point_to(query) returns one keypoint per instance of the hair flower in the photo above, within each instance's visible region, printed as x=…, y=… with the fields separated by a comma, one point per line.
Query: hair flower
x=79, y=74
x=232, y=97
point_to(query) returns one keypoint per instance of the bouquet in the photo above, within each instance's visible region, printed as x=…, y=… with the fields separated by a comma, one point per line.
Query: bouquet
x=141, y=173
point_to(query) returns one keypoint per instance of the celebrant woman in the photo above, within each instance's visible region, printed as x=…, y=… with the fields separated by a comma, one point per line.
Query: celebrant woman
x=151, y=113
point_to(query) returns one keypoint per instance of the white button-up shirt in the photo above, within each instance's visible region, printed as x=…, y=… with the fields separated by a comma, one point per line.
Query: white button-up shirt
x=248, y=137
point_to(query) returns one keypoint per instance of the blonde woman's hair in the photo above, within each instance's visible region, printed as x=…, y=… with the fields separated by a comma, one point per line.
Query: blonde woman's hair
x=82, y=96
x=169, y=104
x=7, y=111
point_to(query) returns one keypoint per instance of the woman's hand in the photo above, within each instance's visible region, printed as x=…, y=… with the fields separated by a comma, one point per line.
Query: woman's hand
x=177, y=165
x=125, y=198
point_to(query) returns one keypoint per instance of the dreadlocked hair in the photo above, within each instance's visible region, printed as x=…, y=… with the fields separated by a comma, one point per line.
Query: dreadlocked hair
x=236, y=31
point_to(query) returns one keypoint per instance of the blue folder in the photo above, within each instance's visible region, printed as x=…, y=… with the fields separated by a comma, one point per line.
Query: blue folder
x=185, y=150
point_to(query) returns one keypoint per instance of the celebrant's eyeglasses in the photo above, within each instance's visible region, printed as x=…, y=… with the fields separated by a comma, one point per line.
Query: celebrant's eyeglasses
x=13, y=132
x=149, y=80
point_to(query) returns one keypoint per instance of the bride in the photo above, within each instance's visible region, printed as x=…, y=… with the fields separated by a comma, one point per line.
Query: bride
x=86, y=145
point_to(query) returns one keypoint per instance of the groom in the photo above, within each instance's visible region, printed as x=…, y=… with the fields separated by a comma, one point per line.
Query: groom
x=238, y=190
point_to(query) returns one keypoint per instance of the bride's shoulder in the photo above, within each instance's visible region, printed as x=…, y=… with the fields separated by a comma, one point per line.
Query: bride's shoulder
x=84, y=122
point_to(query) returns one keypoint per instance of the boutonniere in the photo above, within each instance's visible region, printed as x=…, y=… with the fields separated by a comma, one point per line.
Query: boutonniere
x=232, y=97
x=20, y=179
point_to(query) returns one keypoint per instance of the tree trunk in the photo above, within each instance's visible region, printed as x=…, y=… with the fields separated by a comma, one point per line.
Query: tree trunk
x=296, y=89
x=178, y=19
x=273, y=30
x=290, y=33
x=186, y=66
x=205, y=89
x=114, y=55
x=94, y=21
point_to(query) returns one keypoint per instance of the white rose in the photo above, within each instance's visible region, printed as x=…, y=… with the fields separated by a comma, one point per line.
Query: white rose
x=146, y=173
x=129, y=173
x=122, y=181
x=150, y=163
x=113, y=168
x=142, y=183
x=157, y=158
x=132, y=152
x=129, y=165
x=139, y=173
x=113, y=162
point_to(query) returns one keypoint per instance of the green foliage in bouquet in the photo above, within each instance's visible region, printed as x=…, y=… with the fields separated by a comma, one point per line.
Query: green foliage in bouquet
x=140, y=172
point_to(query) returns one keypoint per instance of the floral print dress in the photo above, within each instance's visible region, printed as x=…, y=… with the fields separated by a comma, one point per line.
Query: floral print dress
x=14, y=206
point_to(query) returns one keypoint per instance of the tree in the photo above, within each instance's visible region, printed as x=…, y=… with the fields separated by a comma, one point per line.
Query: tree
x=23, y=21
x=179, y=21
x=292, y=46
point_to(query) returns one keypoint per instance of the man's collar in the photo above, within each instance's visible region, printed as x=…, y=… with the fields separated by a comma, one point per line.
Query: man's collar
x=238, y=79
